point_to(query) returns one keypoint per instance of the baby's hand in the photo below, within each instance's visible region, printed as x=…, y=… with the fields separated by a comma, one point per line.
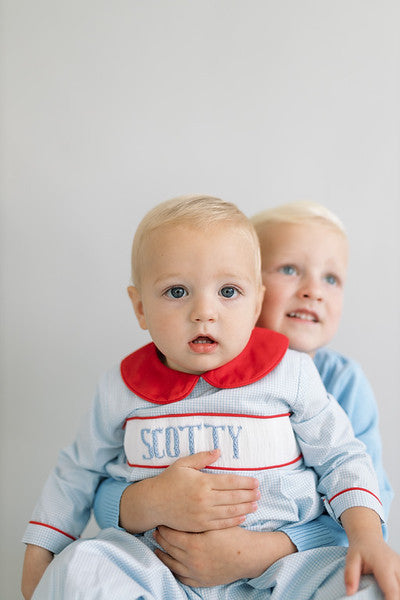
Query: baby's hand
x=186, y=499
x=369, y=553
x=376, y=558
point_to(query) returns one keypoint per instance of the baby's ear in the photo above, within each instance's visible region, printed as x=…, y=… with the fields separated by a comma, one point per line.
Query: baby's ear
x=137, y=304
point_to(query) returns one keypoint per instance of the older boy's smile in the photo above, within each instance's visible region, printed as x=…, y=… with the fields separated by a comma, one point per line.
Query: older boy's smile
x=304, y=315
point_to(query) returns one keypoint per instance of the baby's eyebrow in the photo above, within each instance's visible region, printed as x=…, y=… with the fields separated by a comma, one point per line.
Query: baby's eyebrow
x=232, y=275
x=232, y=278
x=223, y=276
x=170, y=278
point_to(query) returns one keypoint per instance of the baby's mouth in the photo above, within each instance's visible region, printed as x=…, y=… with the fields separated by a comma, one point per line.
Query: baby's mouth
x=203, y=339
x=304, y=316
x=203, y=344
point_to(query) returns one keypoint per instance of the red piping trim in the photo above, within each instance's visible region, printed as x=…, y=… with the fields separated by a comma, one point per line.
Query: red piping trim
x=352, y=489
x=54, y=528
x=225, y=468
x=208, y=415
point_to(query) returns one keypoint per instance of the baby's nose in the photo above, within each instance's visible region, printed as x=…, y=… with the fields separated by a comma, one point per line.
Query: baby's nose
x=203, y=310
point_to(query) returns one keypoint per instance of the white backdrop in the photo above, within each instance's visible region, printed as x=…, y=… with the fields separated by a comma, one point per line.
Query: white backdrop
x=110, y=107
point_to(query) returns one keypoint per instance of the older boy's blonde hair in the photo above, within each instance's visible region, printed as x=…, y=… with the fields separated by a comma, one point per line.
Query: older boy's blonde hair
x=196, y=211
x=303, y=211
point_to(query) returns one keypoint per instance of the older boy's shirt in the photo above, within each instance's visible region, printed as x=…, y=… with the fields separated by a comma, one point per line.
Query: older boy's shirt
x=267, y=411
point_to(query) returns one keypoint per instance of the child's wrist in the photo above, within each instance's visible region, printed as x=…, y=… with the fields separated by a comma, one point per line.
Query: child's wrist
x=38, y=553
x=139, y=506
x=264, y=548
x=36, y=561
x=361, y=524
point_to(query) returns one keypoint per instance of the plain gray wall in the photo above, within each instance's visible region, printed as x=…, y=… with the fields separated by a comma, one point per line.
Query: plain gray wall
x=111, y=107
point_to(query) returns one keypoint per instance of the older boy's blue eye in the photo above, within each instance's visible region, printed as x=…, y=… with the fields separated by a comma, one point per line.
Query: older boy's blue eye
x=228, y=292
x=331, y=279
x=176, y=292
x=288, y=270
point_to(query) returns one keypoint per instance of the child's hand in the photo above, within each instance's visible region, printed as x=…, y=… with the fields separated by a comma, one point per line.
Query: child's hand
x=184, y=498
x=190, y=500
x=221, y=556
x=369, y=553
x=378, y=559
x=35, y=563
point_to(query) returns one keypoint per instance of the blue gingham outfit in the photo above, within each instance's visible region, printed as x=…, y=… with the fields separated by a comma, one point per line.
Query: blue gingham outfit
x=345, y=380
x=282, y=384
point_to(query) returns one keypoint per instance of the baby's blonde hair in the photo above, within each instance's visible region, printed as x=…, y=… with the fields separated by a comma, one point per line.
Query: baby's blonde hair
x=196, y=211
x=302, y=211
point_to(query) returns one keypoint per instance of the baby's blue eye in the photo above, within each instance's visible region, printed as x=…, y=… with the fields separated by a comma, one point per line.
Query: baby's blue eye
x=288, y=270
x=331, y=279
x=228, y=291
x=176, y=292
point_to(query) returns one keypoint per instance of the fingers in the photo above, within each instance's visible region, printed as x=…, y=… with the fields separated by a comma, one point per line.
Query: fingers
x=213, y=501
x=232, y=515
x=352, y=572
x=233, y=482
x=170, y=540
x=229, y=508
x=173, y=565
x=177, y=568
x=377, y=559
x=233, y=497
x=174, y=554
x=225, y=523
x=201, y=460
x=389, y=582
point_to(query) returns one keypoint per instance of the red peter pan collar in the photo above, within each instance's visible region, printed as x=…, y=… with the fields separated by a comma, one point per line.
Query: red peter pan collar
x=146, y=376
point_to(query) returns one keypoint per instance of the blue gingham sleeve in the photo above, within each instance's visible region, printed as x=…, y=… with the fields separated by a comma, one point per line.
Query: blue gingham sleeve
x=64, y=506
x=346, y=381
x=325, y=436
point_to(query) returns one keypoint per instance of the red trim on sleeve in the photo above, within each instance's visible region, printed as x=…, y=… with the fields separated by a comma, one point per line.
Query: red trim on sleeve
x=352, y=489
x=54, y=528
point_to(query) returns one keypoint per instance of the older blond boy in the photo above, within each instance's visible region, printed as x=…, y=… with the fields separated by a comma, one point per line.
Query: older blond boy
x=207, y=381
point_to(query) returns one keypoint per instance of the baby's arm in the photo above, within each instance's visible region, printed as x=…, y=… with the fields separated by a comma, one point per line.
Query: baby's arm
x=64, y=506
x=346, y=381
x=36, y=561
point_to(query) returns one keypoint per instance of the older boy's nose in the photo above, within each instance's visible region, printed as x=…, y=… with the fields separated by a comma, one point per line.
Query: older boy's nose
x=312, y=296
x=311, y=290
